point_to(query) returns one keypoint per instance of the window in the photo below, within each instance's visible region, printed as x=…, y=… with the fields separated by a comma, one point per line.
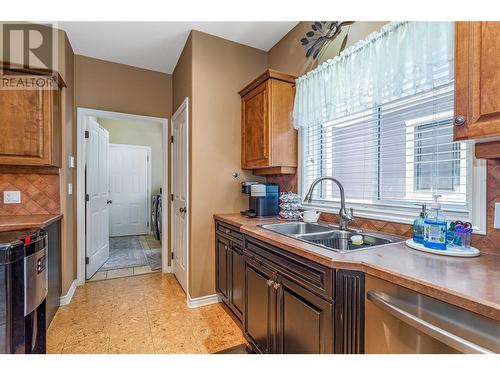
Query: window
x=379, y=118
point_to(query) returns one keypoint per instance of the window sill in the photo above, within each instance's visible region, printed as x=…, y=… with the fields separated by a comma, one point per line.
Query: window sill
x=385, y=213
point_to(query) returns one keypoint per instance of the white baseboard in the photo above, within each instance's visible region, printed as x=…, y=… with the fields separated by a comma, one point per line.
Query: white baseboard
x=202, y=301
x=168, y=270
x=66, y=299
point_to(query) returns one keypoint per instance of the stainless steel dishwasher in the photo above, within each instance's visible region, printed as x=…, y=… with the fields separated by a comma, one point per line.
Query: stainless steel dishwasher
x=399, y=320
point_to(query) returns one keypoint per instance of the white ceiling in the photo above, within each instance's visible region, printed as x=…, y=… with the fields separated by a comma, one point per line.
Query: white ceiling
x=158, y=45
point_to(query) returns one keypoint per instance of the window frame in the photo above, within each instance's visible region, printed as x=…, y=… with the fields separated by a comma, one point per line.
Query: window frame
x=401, y=213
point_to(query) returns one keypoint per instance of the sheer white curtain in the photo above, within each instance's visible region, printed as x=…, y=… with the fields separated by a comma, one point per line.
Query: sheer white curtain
x=402, y=59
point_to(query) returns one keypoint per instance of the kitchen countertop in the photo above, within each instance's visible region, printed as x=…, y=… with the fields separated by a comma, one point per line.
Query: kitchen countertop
x=471, y=283
x=22, y=222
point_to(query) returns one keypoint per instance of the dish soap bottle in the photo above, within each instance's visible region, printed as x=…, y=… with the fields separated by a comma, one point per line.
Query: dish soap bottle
x=435, y=226
x=418, y=226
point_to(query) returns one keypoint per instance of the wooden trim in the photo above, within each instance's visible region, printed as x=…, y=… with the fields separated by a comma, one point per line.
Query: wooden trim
x=29, y=169
x=489, y=150
x=268, y=74
x=274, y=170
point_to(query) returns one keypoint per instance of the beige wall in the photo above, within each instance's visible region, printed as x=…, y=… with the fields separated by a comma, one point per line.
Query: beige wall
x=68, y=202
x=141, y=133
x=122, y=88
x=220, y=69
x=289, y=56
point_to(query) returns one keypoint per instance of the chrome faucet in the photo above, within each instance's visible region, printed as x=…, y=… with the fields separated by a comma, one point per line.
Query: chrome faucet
x=344, y=216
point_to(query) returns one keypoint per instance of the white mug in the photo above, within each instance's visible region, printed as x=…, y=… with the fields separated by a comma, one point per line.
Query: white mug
x=310, y=216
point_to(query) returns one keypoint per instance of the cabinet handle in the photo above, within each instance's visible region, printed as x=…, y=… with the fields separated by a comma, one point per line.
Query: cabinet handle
x=270, y=282
x=225, y=247
x=277, y=286
x=459, y=120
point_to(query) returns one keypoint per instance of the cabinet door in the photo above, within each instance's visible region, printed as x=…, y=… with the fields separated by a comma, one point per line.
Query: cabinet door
x=304, y=320
x=26, y=127
x=477, y=80
x=259, y=312
x=222, y=270
x=237, y=280
x=255, y=130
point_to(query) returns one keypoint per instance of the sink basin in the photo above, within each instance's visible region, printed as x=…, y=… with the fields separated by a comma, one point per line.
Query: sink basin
x=297, y=228
x=332, y=238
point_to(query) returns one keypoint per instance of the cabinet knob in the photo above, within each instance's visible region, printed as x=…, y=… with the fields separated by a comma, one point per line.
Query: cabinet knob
x=277, y=285
x=459, y=120
x=227, y=231
x=270, y=282
x=225, y=247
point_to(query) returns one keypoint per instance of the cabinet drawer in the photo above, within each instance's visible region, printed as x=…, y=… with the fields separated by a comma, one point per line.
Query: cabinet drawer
x=229, y=231
x=313, y=276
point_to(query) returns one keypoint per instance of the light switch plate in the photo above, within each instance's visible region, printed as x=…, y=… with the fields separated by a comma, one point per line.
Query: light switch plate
x=11, y=197
x=70, y=189
x=496, y=224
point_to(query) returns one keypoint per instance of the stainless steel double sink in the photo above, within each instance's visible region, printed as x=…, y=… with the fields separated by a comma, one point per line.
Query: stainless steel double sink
x=331, y=237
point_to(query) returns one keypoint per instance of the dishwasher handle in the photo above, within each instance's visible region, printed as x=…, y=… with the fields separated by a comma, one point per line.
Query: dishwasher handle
x=430, y=329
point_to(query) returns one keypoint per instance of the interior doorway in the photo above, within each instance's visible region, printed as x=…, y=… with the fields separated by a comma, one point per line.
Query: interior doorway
x=122, y=175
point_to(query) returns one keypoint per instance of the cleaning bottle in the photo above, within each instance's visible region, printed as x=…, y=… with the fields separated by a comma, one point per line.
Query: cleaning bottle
x=435, y=226
x=418, y=226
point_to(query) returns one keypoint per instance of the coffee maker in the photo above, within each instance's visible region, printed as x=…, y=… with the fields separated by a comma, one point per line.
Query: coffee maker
x=263, y=199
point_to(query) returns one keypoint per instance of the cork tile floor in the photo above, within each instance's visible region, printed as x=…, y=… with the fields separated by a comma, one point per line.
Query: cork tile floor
x=139, y=314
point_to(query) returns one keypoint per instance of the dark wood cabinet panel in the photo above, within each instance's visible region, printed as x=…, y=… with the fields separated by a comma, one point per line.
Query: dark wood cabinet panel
x=30, y=125
x=477, y=80
x=54, y=269
x=222, y=261
x=237, y=280
x=268, y=139
x=304, y=321
x=259, y=313
x=349, y=312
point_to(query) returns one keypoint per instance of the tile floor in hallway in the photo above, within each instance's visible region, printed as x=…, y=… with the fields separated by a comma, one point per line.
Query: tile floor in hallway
x=147, y=242
x=139, y=314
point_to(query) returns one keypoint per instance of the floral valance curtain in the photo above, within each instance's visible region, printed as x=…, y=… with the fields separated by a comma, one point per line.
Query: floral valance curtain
x=402, y=59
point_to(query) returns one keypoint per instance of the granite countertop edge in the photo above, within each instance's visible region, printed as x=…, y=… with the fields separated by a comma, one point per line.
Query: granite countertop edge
x=22, y=222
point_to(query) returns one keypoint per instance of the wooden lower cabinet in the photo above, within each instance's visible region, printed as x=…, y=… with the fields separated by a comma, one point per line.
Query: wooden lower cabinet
x=237, y=279
x=259, y=310
x=222, y=260
x=304, y=320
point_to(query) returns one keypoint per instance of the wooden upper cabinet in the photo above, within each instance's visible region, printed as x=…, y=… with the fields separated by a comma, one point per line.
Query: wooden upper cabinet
x=477, y=80
x=30, y=126
x=268, y=139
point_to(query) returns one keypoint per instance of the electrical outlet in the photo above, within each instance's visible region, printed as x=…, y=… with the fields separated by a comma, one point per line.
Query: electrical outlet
x=496, y=224
x=71, y=162
x=11, y=197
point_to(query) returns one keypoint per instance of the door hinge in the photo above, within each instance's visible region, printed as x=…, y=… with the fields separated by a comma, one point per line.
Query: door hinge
x=87, y=134
x=87, y=260
x=87, y=197
x=172, y=139
x=172, y=197
x=148, y=224
x=172, y=257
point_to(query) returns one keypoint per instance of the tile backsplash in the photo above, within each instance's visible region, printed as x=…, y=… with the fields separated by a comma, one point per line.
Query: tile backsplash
x=39, y=193
x=487, y=243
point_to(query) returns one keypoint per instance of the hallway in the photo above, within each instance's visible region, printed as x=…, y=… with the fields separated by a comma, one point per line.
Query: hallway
x=139, y=314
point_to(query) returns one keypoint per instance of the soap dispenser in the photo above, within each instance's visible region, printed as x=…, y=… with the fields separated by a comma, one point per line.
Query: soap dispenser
x=435, y=226
x=418, y=226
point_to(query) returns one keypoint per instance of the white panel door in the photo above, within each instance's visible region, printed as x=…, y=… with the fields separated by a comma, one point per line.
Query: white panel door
x=129, y=189
x=97, y=187
x=180, y=190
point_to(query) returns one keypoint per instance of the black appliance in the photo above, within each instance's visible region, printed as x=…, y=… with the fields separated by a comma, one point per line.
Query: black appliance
x=263, y=199
x=23, y=290
x=156, y=208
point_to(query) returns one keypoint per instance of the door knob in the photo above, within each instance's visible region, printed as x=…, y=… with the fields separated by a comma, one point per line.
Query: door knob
x=109, y=201
x=459, y=120
x=182, y=210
